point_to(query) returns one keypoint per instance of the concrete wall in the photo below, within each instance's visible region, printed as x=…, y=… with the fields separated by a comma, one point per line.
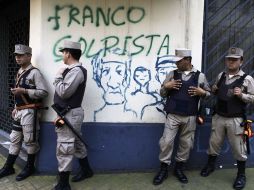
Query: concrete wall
x=146, y=31
x=123, y=109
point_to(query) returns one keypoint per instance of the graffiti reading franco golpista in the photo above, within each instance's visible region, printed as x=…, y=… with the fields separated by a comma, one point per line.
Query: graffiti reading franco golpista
x=110, y=42
x=98, y=16
x=78, y=17
x=116, y=40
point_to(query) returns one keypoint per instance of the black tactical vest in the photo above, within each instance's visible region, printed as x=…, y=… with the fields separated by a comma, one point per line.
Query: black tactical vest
x=23, y=82
x=75, y=100
x=229, y=105
x=179, y=101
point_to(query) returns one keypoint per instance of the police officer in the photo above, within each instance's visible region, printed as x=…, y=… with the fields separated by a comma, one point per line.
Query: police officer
x=29, y=90
x=183, y=88
x=70, y=86
x=234, y=90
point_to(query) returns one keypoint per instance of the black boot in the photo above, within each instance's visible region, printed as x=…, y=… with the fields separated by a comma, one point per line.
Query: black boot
x=178, y=172
x=8, y=166
x=209, y=167
x=29, y=168
x=63, y=182
x=161, y=175
x=84, y=172
x=240, y=180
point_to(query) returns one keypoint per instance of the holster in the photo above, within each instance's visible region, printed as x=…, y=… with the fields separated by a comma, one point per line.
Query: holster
x=16, y=126
x=35, y=125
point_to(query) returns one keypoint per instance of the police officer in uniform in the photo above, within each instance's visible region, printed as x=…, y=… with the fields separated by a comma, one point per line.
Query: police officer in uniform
x=29, y=90
x=183, y=88
x=70, y=86
x=234, y=90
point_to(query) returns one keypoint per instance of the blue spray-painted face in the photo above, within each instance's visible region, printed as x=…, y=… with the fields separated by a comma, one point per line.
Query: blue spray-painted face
x=113, y=82
x=164, y=65
x=162, y=72
x=142, y=76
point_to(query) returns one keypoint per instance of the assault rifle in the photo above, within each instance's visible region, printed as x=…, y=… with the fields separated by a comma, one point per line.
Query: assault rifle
x=35, y=107
x=62, y=120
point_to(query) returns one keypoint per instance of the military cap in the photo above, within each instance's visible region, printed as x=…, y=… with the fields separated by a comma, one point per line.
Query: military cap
x=70, y=45
x=181, y=53
x=22, y=49
x=234, y=52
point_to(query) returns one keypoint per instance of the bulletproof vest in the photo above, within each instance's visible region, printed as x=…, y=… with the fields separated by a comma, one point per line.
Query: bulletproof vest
x=228, y=104
x=23, y=82
x=179, y=101
x=76, y=99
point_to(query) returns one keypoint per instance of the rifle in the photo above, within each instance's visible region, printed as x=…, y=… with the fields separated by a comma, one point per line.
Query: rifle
x=63, y=120
x=247, y=133
x=35, y=107
x=31, y=106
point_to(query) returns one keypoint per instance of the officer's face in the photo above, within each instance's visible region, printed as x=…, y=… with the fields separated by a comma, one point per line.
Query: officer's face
x=113, y=82
x=23, y=59
x=65, y=56
x=233, y=64
x=184, y=64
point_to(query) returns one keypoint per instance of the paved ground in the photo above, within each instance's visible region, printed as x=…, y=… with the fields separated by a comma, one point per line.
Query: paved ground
x=220, y=179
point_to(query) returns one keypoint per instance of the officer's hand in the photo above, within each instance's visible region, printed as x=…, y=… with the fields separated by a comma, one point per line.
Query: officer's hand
x=18, y=91
x=14, y=111
x=60, y=71
x=214, y=88
x=173, y=84
x=238, y=92
x=196, y=91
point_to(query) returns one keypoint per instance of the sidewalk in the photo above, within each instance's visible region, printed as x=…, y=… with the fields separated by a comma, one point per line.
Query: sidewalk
x=221, y=178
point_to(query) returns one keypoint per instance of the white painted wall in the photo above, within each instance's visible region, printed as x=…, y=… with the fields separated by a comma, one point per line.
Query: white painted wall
x=180, y=21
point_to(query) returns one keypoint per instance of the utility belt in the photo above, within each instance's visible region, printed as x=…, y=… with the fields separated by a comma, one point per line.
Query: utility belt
x=36, y=107
x=61, y=112
x=29, y=106
x=64, y=109
x=16, y=126
x=228, y=115
x=61, y=120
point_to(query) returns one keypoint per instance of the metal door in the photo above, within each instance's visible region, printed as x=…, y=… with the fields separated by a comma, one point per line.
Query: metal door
x=227, y=23
x=14, y=28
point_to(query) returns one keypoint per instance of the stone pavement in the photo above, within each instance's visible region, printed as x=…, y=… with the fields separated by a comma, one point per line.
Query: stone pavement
x=221, y=178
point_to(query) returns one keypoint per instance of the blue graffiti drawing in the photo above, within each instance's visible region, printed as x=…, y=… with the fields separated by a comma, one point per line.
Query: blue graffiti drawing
x=142, y=95
x=111, y=72
x=164, y=65
x=142, y=76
